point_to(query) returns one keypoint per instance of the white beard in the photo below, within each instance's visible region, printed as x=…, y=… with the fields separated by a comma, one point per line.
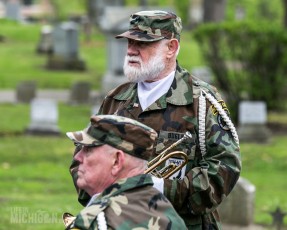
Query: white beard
x=146, y=71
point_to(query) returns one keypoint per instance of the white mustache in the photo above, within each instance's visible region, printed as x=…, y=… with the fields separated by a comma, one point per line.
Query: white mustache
x=133, y=59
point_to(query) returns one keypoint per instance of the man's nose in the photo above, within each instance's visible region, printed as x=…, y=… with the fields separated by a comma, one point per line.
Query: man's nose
x=79, y=155
x=132, y=49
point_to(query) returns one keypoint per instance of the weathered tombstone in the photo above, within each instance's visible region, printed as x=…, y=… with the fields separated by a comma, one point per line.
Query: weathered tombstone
x=238, y=207
x=26, y=91
x=203, y=73
x=239, y=13
x=196, y=12
x=45, y=44
x=44, y=118
x=114, y=20
x=252, y=122
x=65, y=48
x=214, y=11
x=80, y=93
x=27, y=2
x=96, y=8
x=13, y=10
x=97, y=101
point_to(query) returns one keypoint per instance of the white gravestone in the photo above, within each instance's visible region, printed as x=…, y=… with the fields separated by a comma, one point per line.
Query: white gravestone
x=238, y=207
x=252, y=112
x=252, y=121
x=203, y=73
x=44, y=117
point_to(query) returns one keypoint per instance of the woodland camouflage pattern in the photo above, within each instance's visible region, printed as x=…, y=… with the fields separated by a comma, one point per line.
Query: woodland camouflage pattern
x=122, y=133
x=149, y=26
x=127, y=207
x=209, y=179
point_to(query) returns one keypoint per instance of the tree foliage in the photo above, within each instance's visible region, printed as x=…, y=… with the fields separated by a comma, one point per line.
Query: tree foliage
x=249, y=60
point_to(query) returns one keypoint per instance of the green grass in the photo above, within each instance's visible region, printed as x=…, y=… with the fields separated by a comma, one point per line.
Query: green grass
x=265, y=166
x=34, y=179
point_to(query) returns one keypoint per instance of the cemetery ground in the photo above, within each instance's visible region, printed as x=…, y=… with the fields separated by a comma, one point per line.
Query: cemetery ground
x=36, y=187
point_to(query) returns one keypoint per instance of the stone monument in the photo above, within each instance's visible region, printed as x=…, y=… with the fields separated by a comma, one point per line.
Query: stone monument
x=203, y=73
x=252, y=122
x=65, y=48
x=44, y=117
x=80, y=93
x=238, y=207
x=26, y=91
x=13, y=10
x=45, y=45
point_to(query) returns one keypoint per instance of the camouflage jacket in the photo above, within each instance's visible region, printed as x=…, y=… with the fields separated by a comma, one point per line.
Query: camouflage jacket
x=131, y=203
x=207, y=179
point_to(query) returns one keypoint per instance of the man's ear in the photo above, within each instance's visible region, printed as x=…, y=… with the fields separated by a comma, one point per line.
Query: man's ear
x=118, y=162
x=173, y=46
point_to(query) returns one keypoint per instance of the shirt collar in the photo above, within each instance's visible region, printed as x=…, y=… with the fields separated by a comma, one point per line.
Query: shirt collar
x=184, y=96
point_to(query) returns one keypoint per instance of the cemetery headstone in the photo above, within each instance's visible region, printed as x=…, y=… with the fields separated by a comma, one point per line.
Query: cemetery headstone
x=13, y=10
x=80, y=93
x=27, y=2
x=65, y=48
x=253, y=122
x=238, y=207
x=44, y=117
x=203, y=73
x=96, y=8
x=45, y=44
x=26, y=91
x=239, y=13
x=97, y=101
x=196, y=12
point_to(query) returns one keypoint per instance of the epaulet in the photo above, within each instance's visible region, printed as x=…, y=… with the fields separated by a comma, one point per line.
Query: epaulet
x=199, y=85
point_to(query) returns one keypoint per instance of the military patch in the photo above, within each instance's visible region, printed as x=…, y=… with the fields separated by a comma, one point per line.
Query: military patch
x=222, y=123
x=179, y=174
x=223, y=105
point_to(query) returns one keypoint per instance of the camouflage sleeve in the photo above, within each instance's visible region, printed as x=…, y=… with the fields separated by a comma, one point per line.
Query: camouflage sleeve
x=212, y=176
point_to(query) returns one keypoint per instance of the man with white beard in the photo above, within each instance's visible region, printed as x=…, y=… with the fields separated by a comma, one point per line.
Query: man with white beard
x=163, y=95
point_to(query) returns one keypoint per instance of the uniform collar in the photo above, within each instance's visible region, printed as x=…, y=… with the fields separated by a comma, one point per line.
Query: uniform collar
x=183, y=96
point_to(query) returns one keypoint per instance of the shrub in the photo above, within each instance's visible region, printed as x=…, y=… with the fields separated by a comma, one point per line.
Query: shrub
x=249, y=60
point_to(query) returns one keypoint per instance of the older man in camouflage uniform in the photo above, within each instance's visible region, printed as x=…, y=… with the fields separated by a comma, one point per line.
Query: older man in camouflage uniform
x=112, y=159
x=164, y=96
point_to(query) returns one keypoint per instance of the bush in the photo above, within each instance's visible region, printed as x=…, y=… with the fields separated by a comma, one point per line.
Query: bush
x=248, y=60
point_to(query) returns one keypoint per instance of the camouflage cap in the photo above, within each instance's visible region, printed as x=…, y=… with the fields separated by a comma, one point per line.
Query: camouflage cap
x=122, y=133
x=149, y=26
